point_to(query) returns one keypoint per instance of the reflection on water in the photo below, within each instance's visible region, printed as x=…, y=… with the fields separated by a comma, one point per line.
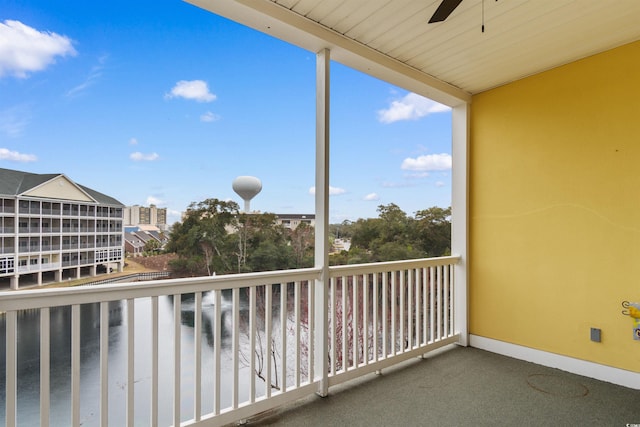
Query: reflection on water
x=60, y=325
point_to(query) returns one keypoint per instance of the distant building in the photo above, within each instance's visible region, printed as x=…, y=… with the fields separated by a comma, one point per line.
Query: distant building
x=137, y=215
x=292, y=221
x=53, y=229
x=133, y=245
x=136, y=238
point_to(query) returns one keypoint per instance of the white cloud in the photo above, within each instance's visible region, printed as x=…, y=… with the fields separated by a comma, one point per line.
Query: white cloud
x=411, y=107
x=24, y=49
x=440, y=184
x=428, y=162
x=333, y=191
x=371, y=197
x=139, y=157
x=94, y=75
x=133, y=141
x=209, y=117
x=196, y=90
x=14, y=156
x=152, y=200
x=417, y=175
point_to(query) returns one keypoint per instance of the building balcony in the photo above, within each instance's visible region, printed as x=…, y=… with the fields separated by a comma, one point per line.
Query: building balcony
x=378, y=339
x=364, y=319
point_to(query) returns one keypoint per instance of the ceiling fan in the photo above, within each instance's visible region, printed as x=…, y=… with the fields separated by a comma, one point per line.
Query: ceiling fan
x=444, y=10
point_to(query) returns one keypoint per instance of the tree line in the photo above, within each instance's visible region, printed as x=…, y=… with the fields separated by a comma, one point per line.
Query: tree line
x=395, y=236
x=216, y=238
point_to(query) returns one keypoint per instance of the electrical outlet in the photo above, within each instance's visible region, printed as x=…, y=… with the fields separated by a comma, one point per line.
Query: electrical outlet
x=596, y=335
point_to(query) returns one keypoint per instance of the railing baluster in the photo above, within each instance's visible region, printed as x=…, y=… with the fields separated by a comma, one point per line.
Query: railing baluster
x=130, y=405
x=425, y=319
x=45, y=367
x=283, y=336
x=393, y=312
x=365, y=318
x=439, y=302
x=154, y=361
x=432, y=312
x=296, y=309
x=11, y=367
x=252, y=344
x=268, y=328
x=104, y=364
x=177, y=315
x=311, y=304
x=75, y=365
x=403, y=311
x=334, y=340
x=345, y=356
x=354, y=316
x=410, y=309
x=235, y=347
x=452, y=282
x=197, y=356
x=417, y=325
x=446, y=305
x=374, y=308
x=217, y=327
x=385, y=317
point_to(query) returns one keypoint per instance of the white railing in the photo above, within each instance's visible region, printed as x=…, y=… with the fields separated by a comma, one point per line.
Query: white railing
x=31, y=268
x=214, y=350
x=392, y=311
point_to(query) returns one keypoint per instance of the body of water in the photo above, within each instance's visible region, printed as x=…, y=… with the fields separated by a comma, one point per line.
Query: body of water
x=60, y=377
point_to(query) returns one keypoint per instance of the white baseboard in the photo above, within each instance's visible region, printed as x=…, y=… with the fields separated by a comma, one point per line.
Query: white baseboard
x=581, y=367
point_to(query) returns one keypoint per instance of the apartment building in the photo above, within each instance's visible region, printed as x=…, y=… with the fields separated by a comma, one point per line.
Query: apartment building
x=53, y=229
x=292, y=221
x=137, y=215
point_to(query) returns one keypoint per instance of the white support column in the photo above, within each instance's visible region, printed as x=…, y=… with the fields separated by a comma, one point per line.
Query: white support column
x=322, y=221
x=459, y=218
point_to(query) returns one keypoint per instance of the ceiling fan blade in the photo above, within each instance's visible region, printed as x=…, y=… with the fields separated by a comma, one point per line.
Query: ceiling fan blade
x=444, y=10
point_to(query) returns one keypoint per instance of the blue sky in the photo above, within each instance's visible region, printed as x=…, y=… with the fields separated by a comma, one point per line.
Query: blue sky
x=161, y=102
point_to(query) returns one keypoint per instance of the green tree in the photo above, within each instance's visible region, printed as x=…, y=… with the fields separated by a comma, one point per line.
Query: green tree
x=432, y=230
x=262, y=244
x=202, y=239
x=366, y=232
x=152, y=246
x=302, y=240
x=344, y=230
x=394, y=236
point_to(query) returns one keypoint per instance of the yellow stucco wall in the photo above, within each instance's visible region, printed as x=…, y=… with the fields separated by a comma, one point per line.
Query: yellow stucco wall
x=555, y=209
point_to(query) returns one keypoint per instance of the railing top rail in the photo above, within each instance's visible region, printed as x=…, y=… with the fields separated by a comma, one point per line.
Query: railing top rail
x=378, y=267
x=28, y=299
x=37, y=298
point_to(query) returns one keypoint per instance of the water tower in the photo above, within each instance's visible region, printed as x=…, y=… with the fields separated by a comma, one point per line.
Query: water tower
x=247, y=187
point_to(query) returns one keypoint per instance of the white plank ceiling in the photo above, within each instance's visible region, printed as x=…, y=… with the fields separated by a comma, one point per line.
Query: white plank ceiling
x=520, y=38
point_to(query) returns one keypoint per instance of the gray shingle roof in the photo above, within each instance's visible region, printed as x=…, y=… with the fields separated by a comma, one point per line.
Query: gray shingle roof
x=14, y=183
x=101, y=198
